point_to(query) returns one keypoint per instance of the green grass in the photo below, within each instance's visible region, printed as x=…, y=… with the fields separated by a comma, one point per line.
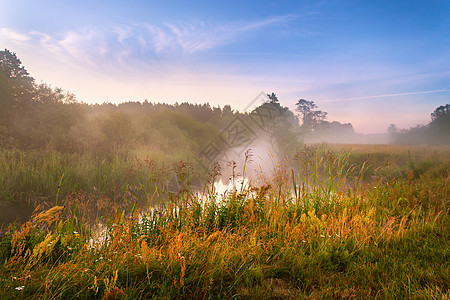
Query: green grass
x=36, y=175
x=332, y=227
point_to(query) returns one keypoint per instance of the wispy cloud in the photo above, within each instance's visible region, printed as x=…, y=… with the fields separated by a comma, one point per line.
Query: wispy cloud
x=193, y=37
x=384, y=96
x=144, y=42
x=276, y=20
x=13, y=36
x=85, y=46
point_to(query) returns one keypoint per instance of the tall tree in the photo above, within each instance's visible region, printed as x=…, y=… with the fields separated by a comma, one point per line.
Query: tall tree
x=16, y=85
x=310, y=116
x=280, y=124
x=440, y=125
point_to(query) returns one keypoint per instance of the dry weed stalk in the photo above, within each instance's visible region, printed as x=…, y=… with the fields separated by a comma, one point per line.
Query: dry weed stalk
x=18, y=242
x=49, y=216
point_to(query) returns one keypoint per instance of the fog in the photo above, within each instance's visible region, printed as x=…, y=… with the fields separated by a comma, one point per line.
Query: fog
x=261, y=157
x=100, y=150
x=349, y=138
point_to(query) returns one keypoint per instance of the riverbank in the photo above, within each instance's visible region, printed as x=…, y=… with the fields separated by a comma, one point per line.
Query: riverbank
x=330, y=229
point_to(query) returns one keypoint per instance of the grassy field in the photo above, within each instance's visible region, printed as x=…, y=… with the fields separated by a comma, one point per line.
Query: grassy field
x=339, y=222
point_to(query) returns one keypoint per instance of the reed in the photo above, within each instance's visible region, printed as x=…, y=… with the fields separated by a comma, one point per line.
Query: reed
x=320, y=228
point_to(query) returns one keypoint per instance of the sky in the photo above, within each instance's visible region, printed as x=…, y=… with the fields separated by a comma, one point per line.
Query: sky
x=370, y=63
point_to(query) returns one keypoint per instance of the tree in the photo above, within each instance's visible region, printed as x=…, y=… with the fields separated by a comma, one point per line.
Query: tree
x=439, y=126
x=279, y=123
x=309, y=115
x=31, y=115
x=227, y=111
x=393, y=132
x=45, y=94
x=117, y=128
x=12, y=67
x=440, y=112
x=273, y=97
x=437, y=132
x=16, y=84
x=392, y=129
x=16, y=88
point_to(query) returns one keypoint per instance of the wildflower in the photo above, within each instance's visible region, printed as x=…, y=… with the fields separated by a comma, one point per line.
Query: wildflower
x=19, y=288
x=304, y=241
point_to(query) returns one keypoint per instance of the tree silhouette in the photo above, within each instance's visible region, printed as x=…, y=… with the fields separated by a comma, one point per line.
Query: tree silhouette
x=437, y=132
x=273, y=97
x=392, y=129
x=309, y=115
x=440, y=112
x=16, y=85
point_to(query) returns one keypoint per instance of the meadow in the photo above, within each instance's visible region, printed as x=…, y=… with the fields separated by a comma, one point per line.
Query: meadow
x=333, y=222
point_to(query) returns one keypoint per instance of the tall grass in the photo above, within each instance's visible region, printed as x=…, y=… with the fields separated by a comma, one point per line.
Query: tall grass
x=318, y=230
x=48, y=177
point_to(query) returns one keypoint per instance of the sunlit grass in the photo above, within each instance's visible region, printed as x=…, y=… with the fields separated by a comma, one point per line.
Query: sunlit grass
x=328, y=227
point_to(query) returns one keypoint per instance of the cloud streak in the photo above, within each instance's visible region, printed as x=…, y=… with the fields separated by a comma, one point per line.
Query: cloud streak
x=144, y=42
x=13, y=36
x=193, y=37
x=384, y=96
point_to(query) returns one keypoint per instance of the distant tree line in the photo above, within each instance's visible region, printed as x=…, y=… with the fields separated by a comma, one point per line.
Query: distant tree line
x=38, y=116
x=437, y=132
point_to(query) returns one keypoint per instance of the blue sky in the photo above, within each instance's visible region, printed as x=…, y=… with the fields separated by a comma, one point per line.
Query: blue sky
x=370, y=63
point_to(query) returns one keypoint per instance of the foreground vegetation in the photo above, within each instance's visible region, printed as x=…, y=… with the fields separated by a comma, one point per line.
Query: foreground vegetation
x=370, y=223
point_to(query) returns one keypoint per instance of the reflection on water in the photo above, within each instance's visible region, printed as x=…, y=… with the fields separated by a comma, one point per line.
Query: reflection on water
x=18, y=212
x=221, y=189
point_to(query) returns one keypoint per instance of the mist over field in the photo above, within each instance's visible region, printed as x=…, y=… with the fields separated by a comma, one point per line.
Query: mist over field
x=295, y=150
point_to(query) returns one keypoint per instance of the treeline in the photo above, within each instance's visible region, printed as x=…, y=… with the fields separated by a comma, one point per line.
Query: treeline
x=437, y=132
x=37, y=116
